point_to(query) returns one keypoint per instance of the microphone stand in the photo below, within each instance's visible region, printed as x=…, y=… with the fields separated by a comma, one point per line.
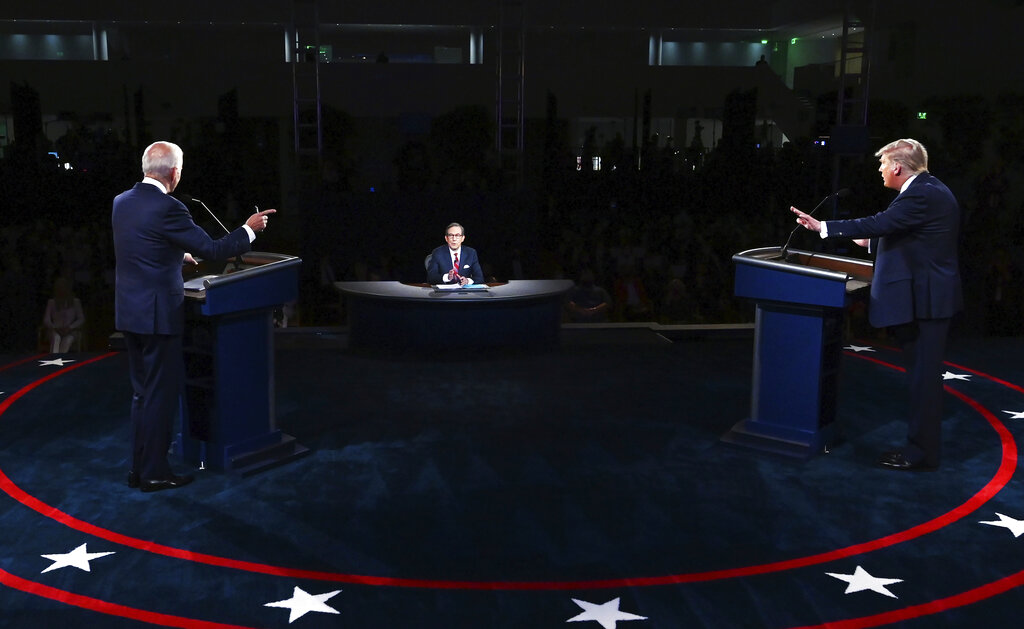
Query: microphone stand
x=238, y=258
x=838, y=193
x=210, y=212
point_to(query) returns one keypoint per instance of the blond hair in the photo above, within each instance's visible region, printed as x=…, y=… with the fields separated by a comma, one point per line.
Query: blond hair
x=910, y=153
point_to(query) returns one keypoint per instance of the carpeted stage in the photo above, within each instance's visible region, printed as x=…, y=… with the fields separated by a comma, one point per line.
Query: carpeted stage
x=582, y=486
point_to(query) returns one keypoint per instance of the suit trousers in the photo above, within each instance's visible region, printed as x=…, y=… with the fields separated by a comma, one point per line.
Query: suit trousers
x=924, y=347
x=157, y=375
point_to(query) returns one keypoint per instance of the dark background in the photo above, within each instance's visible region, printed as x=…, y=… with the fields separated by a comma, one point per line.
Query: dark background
x=409, y=145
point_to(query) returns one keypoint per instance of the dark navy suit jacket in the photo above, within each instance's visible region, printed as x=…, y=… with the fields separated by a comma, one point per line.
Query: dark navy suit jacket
x=152, y=233
x=917, y=273
x=440, y=262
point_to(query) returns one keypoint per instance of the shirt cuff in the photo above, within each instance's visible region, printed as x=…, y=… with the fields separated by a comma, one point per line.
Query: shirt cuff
x=252, y=234
x=824, y=230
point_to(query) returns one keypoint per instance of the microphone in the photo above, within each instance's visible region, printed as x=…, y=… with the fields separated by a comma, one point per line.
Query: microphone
x=837, y=194
x=188, y=199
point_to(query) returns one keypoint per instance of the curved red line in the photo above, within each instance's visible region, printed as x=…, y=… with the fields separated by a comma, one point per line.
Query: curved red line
x=22, y=361
x=32, y=385
x=106, y=607
x=878, y=361
x=1006, y=384
x=1002, y=477
x=969, y=597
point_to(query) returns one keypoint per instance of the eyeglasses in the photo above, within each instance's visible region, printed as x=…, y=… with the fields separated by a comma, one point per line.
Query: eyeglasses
x=454, y=236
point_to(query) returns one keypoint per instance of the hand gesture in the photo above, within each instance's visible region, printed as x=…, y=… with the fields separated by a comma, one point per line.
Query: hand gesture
x=258, y=221
x=807, y=220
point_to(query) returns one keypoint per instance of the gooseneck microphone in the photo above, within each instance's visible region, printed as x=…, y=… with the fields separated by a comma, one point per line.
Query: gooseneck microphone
x=838, y=193
x=189, y=199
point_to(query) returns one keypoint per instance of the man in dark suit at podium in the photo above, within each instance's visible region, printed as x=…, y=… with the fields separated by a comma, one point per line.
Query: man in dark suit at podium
x=916, y=287
x=453, y=263
x=153, y=235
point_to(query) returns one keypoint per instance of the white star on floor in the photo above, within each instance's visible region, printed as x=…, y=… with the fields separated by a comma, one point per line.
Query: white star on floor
x=1015, y=414
x=606, y=614
x=78, y=558
x=60, y=362
x=860, y=580
x=956, y=376
x=1014, y=526
x=859, y=348
x=302, y=602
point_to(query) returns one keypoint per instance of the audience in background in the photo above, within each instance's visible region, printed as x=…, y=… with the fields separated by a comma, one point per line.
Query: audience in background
x=587, y=302
x=661, y=241
x=63, y=318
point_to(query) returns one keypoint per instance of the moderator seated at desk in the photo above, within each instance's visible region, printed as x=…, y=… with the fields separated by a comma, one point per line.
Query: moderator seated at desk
x=417, y=316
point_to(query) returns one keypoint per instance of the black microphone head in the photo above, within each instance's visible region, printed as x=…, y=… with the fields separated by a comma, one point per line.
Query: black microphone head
x=844, y=192
x=184, y=198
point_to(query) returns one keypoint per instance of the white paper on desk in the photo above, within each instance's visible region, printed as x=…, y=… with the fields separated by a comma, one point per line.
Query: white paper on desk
x=461, y=287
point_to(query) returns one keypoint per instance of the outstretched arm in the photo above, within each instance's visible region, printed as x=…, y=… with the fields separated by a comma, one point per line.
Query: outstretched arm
x=806, y=220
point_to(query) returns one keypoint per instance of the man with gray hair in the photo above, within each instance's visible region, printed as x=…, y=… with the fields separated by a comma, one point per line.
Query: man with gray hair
x=153, y=235
x=916, y=288
x=454, y=263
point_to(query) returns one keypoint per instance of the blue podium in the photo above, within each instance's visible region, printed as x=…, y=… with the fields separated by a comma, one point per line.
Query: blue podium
x=228, y=417
x=799, y=323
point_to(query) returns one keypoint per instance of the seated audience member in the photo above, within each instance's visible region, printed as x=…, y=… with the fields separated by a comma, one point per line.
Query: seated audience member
x=675, y=303
x=587, y=302
x=631, y=301
x=63, y=318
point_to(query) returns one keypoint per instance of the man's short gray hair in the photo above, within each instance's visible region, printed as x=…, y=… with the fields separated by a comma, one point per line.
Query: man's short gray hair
x=160, y=158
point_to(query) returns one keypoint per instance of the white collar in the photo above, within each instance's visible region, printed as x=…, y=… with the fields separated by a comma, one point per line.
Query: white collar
x=158, y=184
x=906, y=184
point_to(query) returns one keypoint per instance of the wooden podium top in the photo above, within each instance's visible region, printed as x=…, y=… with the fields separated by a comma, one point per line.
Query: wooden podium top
x=802, y=277
x=200, y=277
x=857, y=270
x=254, y=280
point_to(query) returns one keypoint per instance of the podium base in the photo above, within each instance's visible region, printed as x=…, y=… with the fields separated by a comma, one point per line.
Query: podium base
x=244, y=458
x=283, y=450
x=752, y=434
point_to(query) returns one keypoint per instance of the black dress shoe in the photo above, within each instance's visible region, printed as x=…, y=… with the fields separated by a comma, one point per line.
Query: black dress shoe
x=898, y=461
x=133, y=479
x=159, y=484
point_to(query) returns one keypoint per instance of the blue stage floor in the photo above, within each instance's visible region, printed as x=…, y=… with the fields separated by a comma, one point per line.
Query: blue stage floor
x=583, y=486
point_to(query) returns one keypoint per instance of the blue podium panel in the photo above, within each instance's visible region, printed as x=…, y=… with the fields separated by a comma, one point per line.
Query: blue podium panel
x=796, y=351
x=263, y=280
x=800, y=310
x=229, y=421
x=762, y=283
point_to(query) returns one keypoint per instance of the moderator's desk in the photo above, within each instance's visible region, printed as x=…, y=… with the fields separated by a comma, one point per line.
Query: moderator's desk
x=521, y=313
